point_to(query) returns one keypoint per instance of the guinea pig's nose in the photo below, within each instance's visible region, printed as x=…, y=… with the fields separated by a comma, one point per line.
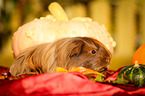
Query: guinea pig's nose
x=107, y=60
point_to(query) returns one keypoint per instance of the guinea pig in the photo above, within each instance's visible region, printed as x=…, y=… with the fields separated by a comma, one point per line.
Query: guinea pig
x=66, y=53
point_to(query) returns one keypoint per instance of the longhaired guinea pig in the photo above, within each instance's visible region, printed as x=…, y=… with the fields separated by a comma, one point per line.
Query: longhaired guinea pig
x=66, y=53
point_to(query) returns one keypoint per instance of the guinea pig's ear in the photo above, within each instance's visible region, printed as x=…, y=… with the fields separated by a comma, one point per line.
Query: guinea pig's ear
x=76, y=48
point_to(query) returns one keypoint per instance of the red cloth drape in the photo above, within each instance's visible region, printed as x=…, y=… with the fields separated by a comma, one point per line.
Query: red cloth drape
x=63, y=84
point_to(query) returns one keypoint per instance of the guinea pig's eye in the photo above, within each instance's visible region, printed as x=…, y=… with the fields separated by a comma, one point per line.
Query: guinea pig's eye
x=93, y=52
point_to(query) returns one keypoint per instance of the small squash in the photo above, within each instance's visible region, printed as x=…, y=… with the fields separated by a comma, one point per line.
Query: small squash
x=56, y=26
x=134, y=73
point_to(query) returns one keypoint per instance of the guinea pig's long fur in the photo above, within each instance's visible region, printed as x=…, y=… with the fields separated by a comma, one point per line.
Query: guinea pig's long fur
x=66, y=53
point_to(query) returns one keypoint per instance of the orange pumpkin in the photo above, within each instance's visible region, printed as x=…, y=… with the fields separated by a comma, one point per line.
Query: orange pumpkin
x=139, y=55
x=55, y=26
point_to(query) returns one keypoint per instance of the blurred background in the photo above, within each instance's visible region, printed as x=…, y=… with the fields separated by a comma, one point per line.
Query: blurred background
x=124, y=19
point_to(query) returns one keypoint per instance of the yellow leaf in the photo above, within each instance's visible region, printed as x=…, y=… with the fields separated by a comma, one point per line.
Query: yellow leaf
x=60, y=69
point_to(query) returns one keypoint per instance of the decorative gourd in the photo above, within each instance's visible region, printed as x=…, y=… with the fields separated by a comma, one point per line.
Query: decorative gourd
x=55, y=26
x=134, y=73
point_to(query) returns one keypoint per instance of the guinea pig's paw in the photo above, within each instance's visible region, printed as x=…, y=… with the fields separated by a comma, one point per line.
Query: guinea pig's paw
x=103, y=69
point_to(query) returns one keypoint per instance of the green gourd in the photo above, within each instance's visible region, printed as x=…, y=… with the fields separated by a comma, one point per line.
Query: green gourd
x=133, y=73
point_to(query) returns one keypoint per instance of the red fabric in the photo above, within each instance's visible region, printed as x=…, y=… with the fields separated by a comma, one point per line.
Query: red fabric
x=62, y=84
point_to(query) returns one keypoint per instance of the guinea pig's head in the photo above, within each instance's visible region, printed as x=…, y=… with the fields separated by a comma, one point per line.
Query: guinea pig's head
x=89, y=53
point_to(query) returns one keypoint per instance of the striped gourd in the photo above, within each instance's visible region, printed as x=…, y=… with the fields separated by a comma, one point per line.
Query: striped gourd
x=134, y=73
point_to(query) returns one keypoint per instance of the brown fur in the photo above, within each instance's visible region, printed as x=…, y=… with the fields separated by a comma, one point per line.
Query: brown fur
x=65, y=53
